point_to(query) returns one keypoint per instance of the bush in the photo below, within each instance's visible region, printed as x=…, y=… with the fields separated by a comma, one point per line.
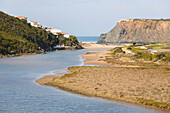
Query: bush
x=158, y=56
x=117, y=50
x=148, y=56
x=144, y=55
x=129, y=48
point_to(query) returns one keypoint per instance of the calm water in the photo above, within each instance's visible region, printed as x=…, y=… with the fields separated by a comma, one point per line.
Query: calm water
x=88, y=39
x=20, y=94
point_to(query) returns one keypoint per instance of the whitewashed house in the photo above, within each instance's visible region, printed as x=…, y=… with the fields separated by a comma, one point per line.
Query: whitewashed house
x=40, y=25
x=55, y=31
x=59, y=46
x=48, y=28
x=34, y=23
x=22, y=17
x=66, y=35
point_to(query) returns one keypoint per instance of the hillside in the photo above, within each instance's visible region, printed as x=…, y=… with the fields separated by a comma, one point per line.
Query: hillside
x=17, y=37
x=139, y=31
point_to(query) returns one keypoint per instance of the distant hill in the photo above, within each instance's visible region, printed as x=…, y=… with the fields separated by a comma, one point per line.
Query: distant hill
x=17, y=36
x=139, y=31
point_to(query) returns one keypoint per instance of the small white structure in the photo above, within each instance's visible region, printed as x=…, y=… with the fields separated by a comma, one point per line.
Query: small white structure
x=48, y=28
x=34, y=23
x=40, y=25
x=22, y=17
x=55, y=31
x=66, y=35
x=59, y=46
x=154, y=51
x=143, y=47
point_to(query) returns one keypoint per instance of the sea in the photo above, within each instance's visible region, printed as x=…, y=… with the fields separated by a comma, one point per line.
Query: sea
x=19, y=93
x=88, y=39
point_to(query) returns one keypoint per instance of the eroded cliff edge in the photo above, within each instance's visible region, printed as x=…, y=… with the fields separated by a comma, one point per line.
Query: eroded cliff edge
x=139, y=31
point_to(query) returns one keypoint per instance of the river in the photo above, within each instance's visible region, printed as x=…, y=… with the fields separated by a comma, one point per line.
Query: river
x=20, y=94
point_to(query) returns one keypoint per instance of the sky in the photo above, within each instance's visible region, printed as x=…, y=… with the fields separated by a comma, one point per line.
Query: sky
x=85, y=17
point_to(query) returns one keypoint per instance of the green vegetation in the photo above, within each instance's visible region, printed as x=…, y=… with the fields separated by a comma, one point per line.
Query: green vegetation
x=117, y=50
x=164, y=56
x=17, y=36
x=163, y=53
x=151, y=19
x=159, y=46
x=148, y=26
x=153, y=103
x=72, y=41
x=134, y=54
x=134, y=48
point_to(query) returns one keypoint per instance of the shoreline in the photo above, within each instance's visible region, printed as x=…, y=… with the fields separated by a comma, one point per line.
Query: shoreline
x=49, y=81
x=22, y=54
x=27, y=54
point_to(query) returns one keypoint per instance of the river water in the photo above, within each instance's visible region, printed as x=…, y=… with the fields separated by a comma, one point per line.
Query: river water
x=20, y=94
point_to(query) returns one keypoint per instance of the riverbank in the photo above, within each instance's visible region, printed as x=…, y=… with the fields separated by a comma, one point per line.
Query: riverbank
x=40, y=52
x=144, y=84
x=20, y=54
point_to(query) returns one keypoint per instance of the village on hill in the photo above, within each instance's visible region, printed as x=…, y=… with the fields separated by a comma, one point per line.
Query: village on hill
x=55, y=31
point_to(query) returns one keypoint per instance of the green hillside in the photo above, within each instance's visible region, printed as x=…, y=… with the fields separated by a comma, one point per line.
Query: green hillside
x=17, y=36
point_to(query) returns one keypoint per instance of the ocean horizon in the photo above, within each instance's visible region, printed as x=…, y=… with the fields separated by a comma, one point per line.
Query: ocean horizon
x=88, y=39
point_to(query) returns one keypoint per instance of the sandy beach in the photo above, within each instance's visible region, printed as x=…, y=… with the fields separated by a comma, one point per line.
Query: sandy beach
x=138, y=85
x=94, y=57
x=100, y=46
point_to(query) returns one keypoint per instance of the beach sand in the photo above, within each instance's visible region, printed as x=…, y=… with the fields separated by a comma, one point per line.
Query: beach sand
x=42, y=81
x=100, y=46
x=94, y=57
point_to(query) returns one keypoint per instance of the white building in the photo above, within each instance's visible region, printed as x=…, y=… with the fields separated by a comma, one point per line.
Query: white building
x=22, y=17
x=55, y=31
x=40, y=25
x=143, y=47
x=66, y=35
x=48, y=28
x=34, y=23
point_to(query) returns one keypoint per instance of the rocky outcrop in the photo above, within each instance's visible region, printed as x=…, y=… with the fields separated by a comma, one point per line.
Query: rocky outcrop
x=139, y=31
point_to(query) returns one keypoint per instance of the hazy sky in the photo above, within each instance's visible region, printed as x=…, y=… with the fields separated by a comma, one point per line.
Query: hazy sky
x=85, y=17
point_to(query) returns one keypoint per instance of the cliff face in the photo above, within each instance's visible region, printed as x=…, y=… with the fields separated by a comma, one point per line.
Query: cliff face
x=138, y=30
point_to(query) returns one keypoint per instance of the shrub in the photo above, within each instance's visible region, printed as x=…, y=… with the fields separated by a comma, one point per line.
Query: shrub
x=117, y=50
x=143, y=55
x=129, y=48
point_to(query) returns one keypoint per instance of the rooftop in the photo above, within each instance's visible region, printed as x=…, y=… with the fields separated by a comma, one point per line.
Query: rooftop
x=61, y=32
x=34, y=21
x=21, y=17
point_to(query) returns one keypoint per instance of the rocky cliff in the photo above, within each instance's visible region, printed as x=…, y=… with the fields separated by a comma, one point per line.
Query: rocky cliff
x=139, y=31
